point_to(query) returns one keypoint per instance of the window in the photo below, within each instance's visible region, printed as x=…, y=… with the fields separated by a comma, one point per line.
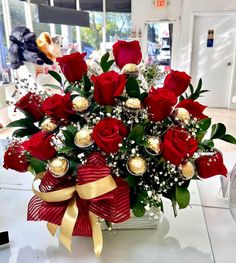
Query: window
x=118, y=27
x=17, y=13
x=38, y=27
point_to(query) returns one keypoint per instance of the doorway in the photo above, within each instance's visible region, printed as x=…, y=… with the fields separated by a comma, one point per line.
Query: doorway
x=213, y=57
x=159, y=44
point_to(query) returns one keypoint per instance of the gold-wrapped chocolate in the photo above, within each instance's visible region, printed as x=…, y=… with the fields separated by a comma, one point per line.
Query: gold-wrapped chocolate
x=133, y=103
x=80, y=104
x=182, y=115
x=137, y=165
x=49, y=125
x=154, y=145
x=58, y=166
x=130, y=69
x=187, y=170
x=83, y=138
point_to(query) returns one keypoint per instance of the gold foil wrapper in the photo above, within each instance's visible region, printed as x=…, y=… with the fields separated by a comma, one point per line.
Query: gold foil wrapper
x=182, y=115
x=187, y=170
x=130, y=68
x=49, y=125
x=83, y=138
x=133, y=103
x=137, y=165
x=154, y=145
x=59, y=166
x=80, y=104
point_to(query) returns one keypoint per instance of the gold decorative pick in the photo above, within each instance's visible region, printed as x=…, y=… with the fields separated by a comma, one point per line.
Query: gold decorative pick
x=187, y=170
x=130, y=68
x=49, y=125
x=182, y=115
x=83, y=138
x=133, y=103
x=137, y=165
x=59, y=166
x=154, y=145
x=80, y=104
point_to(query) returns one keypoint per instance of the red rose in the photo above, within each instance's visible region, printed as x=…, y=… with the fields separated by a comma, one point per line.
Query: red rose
x=15, y=158
x=108, y=133
x=39, y=146
x=31, y=104
x=73, y=66
x=193, y=107
x=107, y=86
x=58, y=106
x=177, y=82
x=127, y=52
x=208, y=166
x=159, y=102
x=178, y=145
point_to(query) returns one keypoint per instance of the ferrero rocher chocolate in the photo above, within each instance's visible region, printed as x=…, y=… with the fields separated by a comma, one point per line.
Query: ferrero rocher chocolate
x=83, y=138
x=137, y=165
x=154, y=145
x=133, y=103
x=187, y=170
x=80, y=104
x=182, y=115
x=58, y=166
x=130, y=69
x=48, y=125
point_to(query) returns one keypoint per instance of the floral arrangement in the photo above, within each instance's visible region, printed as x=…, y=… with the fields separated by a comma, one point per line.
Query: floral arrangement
x=104, y=145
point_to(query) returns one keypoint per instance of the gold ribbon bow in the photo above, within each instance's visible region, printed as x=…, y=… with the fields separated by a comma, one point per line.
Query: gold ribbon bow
x=87, y=191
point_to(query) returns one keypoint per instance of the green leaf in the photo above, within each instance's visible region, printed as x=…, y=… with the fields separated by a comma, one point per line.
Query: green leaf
x=132, y=88
x=52, y=86
x=191, y=88
x=182, y=196
x=209, y=143
x=199, y=86
x=55, y=75
x=21, y=123
x=131, y=180
x=137, y=133
x=69, y=138
x=181, y=97
x=104, y=59
x=229, y=138
x=22, y=133
x=38, y=165
x=66, y=149
x=143, y=96
x=87, y=83
x=218, y=130
x=204, y=124
x=94, y=107
x=138, y=209
x=71, y=129
x=107, y=65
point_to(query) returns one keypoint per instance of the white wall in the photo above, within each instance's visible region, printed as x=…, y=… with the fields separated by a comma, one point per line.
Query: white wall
x=144, y=10
x=181, y=12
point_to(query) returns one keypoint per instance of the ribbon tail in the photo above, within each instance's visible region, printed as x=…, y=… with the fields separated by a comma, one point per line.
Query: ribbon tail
x=52, y=228
x=97, y=233
x=68, y=224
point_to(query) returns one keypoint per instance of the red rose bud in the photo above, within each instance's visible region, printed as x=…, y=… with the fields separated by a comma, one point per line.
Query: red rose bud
x=31, y=104
x=208, y=166
x=39, y=146
x=107, y=86
x=127, y=52
x=193, y=107
x=178, y=145
x=73, y=66
x=58, y=106
x=15, y=158
x=159, y=102
x=108, y=133
x=177, y=82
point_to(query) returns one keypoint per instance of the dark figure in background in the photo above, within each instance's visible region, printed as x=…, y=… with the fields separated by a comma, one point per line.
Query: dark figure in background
x=24, y=48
